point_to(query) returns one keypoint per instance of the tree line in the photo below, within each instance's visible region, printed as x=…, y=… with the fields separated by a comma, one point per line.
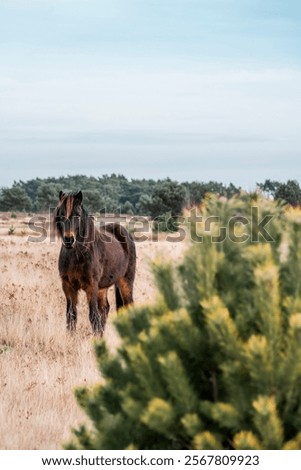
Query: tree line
x=112, y=193
x=115, y=193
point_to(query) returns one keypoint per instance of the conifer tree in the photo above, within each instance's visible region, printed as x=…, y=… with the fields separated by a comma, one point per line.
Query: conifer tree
x=215, y=363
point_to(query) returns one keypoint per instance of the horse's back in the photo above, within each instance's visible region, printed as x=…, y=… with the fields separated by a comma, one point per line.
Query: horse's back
x=122, y=236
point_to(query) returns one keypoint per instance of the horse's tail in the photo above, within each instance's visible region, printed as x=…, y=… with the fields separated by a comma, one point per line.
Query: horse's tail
x=119, y=300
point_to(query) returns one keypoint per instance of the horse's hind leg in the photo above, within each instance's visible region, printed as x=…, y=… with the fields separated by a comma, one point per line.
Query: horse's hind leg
x=71, y=312
x=103, y=305
x=124, y=292
x=125, y=285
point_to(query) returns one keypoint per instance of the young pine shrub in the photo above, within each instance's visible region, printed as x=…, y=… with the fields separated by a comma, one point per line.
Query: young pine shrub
x=215, y=363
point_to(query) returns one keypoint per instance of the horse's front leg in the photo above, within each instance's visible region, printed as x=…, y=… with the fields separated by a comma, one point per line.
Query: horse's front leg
x=95, y=318
x=71, y=312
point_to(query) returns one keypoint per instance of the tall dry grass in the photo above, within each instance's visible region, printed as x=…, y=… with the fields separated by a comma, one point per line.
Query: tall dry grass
x=40, y=364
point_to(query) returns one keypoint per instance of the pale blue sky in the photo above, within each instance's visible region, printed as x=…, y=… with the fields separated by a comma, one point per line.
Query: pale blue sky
x=190, y=89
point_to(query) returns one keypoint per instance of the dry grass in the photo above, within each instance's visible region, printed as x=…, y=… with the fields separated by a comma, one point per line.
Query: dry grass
x=40, y=364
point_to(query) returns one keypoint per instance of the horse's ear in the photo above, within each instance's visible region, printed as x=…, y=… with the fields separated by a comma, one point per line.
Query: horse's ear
x=78, y=197
x=61, y=195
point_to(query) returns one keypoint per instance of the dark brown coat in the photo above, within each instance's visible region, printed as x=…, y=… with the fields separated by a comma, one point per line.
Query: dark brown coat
x=93, y=260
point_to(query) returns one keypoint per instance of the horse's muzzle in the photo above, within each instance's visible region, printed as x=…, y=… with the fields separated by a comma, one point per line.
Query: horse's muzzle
x=68, y=242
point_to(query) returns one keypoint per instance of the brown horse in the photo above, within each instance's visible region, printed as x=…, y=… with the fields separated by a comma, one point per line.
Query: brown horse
x=93, y=260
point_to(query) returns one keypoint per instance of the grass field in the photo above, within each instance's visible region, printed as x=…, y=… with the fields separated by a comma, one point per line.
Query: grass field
x=40, y=364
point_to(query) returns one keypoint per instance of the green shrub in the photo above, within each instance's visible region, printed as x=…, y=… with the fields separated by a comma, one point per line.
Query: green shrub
x=215, y=363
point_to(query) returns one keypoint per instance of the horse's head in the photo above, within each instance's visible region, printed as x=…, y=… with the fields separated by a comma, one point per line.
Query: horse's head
x=68, y=216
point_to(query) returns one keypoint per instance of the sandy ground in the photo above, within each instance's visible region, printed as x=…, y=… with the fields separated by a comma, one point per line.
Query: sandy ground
x=40, y=364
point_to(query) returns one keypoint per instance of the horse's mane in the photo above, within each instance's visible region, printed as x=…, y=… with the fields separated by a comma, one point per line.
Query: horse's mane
x=88, y=230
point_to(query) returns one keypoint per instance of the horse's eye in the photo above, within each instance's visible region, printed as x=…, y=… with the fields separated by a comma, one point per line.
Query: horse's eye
x=76, y=213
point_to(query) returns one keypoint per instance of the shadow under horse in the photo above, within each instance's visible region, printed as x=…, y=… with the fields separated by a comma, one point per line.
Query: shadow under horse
x=93, y=260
